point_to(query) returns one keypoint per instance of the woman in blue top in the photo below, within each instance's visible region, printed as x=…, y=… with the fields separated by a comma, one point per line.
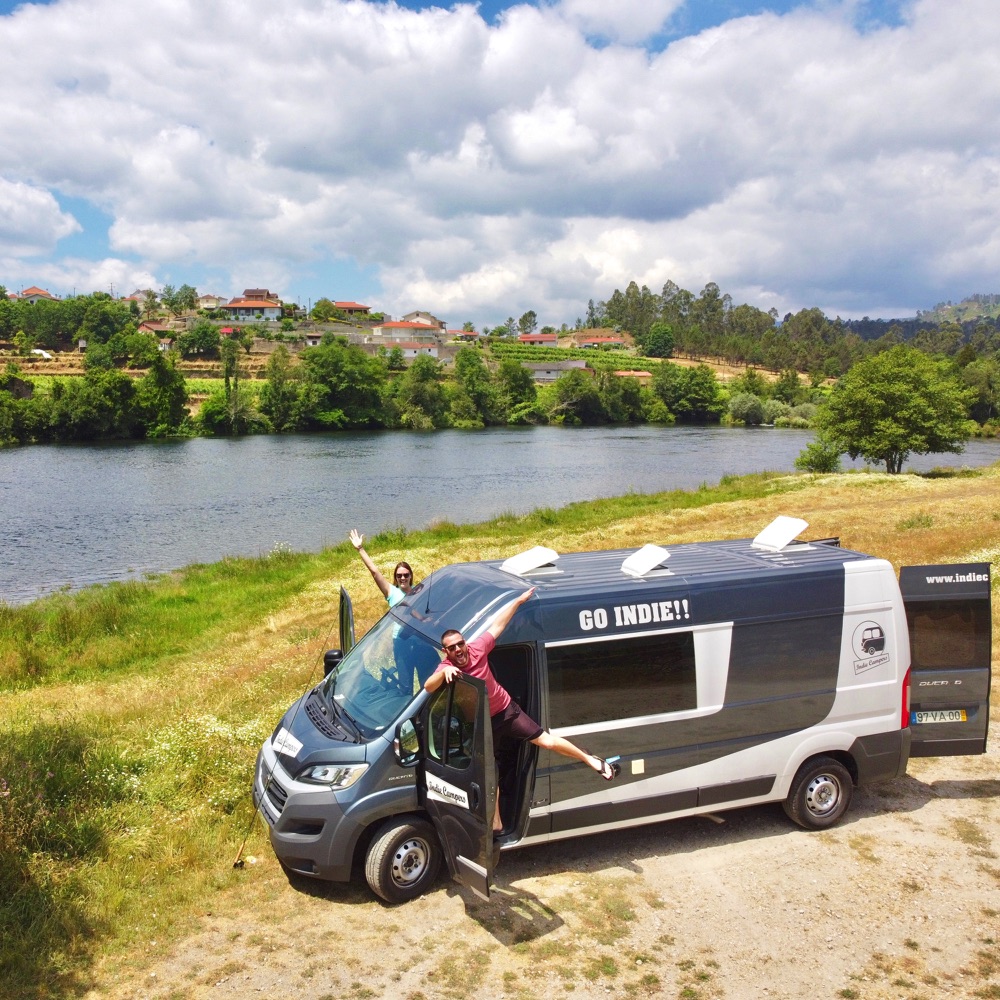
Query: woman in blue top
x=402, y=575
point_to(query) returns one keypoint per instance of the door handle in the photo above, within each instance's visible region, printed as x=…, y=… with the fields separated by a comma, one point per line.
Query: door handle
x=474, y=795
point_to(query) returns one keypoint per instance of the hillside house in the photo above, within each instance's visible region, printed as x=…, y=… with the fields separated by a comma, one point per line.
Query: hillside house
x=539, y=339
x=643, y=378
x=425, y=319
x=353, y=308
x=33, y=294
x=248, y=308
x=211, y=301
x=399, y=330
x=413, y=349
x=602, y=340
x=549, y=371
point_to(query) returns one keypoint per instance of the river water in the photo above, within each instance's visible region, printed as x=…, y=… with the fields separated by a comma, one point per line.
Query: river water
x=76, y=515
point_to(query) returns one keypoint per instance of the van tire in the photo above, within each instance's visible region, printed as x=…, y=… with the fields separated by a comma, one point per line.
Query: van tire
x=403, y=860
x=820, y=794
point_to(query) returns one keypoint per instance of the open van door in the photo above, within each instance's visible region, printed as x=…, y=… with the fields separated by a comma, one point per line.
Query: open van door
x=948, y=615
x=459, y=782
x=346, y=623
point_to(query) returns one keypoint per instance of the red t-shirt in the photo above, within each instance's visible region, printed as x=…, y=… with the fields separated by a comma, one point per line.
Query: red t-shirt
x=478, y=666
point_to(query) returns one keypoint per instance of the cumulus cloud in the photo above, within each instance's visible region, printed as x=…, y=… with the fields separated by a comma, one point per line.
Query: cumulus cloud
x=480, y=170
x=627, y=21
x=31, y=221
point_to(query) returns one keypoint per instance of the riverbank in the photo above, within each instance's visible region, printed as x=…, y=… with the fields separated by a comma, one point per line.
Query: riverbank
x=133, y=712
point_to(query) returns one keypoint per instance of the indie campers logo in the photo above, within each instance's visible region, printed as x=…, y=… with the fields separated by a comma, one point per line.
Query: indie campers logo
x=869, y=646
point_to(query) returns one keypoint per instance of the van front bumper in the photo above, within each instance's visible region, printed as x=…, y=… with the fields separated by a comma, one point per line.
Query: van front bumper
x=310, y=833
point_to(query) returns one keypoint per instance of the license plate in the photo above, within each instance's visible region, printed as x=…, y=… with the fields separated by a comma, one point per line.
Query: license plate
x=951, y=715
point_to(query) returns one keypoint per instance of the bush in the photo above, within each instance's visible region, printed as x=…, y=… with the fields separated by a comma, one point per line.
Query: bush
x=774, y=410
x=819, y=456
x=747, y=407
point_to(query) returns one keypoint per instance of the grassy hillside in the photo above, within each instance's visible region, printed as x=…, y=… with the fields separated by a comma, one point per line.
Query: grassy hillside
x=131, y=714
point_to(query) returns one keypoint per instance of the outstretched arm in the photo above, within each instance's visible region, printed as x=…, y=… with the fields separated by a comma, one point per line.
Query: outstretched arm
x=443, y=676
x=358, y=541
x=504, y=615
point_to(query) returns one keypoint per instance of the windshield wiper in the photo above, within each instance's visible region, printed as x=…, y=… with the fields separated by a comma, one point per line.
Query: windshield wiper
x=344, y=714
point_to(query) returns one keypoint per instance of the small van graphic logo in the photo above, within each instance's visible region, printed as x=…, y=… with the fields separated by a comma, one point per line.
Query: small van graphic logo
x=869, y=646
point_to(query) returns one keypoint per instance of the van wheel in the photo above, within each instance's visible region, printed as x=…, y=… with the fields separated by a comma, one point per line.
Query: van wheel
x=403, y=861
x=820, y=793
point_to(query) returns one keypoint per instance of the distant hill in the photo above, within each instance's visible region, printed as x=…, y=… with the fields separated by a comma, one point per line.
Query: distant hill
x=969, y=309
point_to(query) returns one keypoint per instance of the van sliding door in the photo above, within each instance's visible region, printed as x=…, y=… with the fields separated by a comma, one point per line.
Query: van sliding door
x=948, y=615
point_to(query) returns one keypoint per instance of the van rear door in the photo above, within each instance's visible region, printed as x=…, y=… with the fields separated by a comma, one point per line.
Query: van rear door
x=459, y=782
x=948, y=615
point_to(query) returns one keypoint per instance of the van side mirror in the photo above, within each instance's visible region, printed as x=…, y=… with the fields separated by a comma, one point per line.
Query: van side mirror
x=407, y=743
x=331, y=660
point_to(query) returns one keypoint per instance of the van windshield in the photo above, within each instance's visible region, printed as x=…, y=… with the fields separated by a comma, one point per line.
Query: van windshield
x=380, y=676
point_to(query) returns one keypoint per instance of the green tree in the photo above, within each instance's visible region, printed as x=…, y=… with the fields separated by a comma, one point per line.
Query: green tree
x=342, y=387
x=150, y=303
x=516, y=385
x=895, y=403
x=142, y=349
x=8, y=315
x=178, y=300
x=474, y=378
x=788, y=388
x=692, y=395
x=747, y=408
x=660, y=341
x=578, y=399
x=819, y=456
x=324, y=311
x=528, y=322
x=279, y=393
x=421, y=400
x=983, y=378
x=203, y=338
x=162, y=395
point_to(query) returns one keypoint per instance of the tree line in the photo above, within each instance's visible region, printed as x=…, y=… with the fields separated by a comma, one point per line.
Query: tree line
x=709, y=324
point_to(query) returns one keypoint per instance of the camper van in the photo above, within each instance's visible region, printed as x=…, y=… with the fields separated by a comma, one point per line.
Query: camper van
x=722, y=674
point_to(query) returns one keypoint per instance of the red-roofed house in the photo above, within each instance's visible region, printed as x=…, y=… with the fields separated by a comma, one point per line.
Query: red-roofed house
x=468, y=336
x=352, y=308
x=643, y=378
x=33, y=294
x=599, y=340
x=157, y=329
x=250, y=308
x=540, y=339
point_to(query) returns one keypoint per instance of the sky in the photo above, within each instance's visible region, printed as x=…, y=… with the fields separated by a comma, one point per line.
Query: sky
x=482, y=160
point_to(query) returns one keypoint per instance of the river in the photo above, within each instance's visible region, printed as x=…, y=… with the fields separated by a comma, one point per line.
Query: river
x=77, y=515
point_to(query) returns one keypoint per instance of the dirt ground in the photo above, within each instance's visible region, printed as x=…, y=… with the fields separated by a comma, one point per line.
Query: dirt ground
x=902, y=899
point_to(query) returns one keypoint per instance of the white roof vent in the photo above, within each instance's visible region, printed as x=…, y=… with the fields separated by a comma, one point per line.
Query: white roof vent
x=534, y=560
x=647, y=559
x=779, y=533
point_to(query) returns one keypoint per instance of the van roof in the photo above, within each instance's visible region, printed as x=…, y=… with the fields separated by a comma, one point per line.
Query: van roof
x=464, y=596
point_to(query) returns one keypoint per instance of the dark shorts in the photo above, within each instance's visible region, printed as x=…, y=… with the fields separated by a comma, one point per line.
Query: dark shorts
x=514, y=724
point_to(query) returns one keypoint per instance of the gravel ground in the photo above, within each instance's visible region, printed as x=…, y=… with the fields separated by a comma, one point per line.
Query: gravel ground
x=902, y=899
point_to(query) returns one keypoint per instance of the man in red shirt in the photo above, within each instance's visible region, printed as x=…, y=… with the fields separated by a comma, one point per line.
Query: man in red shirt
x=506, y=715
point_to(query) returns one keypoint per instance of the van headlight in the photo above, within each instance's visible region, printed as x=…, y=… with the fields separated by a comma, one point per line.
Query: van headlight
x=333, y=775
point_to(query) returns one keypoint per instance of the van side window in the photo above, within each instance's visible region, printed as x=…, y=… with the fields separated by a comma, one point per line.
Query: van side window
x=621, y=678
x=453, y=725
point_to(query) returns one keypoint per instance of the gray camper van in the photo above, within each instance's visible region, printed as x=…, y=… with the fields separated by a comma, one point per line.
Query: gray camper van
x=724, y=674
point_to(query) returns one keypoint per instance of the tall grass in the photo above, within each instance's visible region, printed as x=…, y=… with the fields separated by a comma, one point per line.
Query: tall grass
x=132, y=713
